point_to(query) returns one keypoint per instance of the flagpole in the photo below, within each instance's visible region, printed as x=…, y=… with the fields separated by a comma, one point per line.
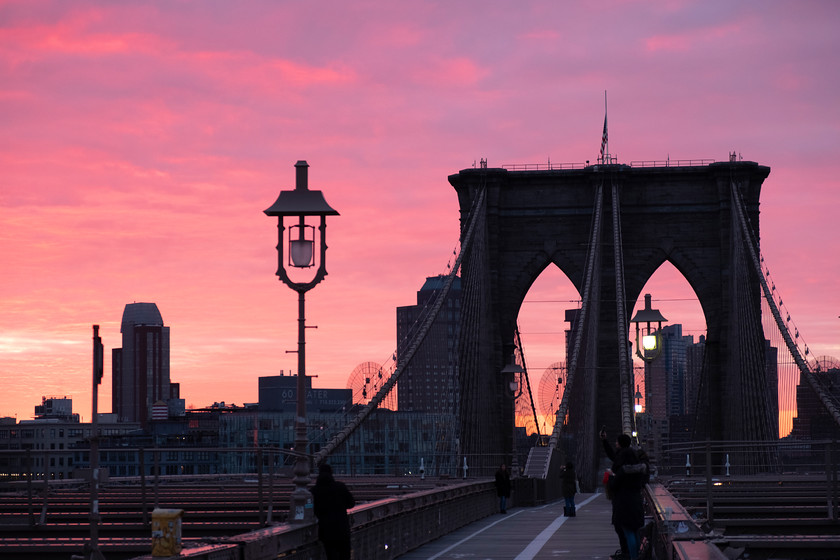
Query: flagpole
x=605, y=148
x=607, y=153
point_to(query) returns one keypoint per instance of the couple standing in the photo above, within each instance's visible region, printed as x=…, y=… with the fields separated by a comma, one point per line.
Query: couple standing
x=624, y=481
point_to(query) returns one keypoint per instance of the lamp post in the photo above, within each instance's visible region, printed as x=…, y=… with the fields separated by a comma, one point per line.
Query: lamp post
x=648, y=348
x=648, y=337
x=637, y=409
x=302, y=239
x=514, y=389
x=638, y=397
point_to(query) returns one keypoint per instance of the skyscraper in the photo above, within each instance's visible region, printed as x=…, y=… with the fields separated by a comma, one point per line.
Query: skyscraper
x=429, y=383
x=140, y=368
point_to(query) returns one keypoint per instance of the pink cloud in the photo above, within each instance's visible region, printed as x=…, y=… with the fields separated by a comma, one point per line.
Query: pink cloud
x=668, y=43
x=141, y=143
x=458, y=72
x=699, y=37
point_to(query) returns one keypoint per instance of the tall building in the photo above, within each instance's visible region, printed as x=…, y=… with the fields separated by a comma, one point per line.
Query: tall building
x=771, y=368
x=812, y=420
x=694, y=355
x=430, y=383
x=666, y=395
x=140, y=368
x=665, y=375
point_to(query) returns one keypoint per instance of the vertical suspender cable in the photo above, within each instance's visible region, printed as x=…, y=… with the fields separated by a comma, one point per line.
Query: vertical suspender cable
x=625, y=370
x=582, y=316
x=792, y=348
x=405, y=359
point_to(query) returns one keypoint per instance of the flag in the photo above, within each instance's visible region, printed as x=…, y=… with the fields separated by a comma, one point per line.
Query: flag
x=98, y=352
x=604, y=138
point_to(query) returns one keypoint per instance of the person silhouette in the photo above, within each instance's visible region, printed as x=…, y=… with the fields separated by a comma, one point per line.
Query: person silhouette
x=331, y=500
x=503, y=487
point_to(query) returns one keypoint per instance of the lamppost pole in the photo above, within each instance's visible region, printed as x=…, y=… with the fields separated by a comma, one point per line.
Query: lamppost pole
x=509, y=377
x=301, y=496
x=301, y=239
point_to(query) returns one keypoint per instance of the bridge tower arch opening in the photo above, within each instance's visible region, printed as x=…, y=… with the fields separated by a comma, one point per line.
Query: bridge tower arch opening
x=608, y=228
x=541, y=338
x=668, y=415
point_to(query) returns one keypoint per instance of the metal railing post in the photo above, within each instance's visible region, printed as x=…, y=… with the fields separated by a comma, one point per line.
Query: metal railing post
x=157, y=474
x=709, y=487
x=30, y=510
x=831, y=475
x=142, y=454
x=260, y=508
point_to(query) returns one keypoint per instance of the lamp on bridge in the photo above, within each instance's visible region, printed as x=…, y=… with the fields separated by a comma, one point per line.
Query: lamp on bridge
x=301, y=204
x=637, y=409
x=509, y=378
x=648, y=331
x=514, y=389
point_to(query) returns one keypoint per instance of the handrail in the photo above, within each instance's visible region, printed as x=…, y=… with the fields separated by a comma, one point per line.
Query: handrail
x=671, y=163
x=543, y=166
x=550, y=166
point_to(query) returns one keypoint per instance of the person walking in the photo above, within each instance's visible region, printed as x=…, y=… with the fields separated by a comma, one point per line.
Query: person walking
x=331, y=500
x=625, y=483
x=503, y=487
x=569, y=488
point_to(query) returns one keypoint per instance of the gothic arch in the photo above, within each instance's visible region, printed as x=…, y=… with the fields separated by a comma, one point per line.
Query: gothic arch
x=682, y=215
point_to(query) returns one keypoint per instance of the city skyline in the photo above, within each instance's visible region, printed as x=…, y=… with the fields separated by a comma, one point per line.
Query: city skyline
x=141, y=144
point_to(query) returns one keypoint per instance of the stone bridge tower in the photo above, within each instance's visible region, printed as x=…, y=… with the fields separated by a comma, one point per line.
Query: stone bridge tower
x=535, y=219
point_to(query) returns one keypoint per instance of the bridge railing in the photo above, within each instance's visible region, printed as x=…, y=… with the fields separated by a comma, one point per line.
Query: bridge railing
x=543, y=166
x=381, y=530
x=727, y=458
x=807, y=472
x=671, y=163
x=672, y=532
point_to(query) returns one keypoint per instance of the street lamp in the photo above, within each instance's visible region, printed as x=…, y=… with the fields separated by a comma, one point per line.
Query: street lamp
x=648, y=337
x=637, y=409
x=509, y=378
x=302, y=239
x=514, y=389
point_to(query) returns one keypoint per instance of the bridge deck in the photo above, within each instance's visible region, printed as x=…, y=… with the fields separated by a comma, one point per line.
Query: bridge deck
x=531, y=532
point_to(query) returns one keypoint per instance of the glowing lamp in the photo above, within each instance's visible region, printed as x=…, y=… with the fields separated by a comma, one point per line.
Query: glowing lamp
x=648, y=331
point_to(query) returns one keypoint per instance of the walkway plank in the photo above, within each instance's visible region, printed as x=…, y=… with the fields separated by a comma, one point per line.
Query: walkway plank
x=537, y=533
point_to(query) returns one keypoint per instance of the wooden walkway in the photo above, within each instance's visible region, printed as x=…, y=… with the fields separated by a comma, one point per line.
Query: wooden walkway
x=527, y=533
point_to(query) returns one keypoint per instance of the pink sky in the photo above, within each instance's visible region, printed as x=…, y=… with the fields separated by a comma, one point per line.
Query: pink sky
x=141, y=142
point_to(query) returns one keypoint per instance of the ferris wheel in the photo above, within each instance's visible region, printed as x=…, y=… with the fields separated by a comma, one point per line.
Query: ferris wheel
x=822, y=364
x=366, y=380
x=551, y=388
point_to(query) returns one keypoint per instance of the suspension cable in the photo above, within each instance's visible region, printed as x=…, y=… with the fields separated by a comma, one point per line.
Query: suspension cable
x=518, y=340
x=804, y=370
x=580, y=319
x=405, y=359
x=625, y=370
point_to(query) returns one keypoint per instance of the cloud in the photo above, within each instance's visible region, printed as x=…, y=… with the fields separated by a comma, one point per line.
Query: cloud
x=141, y=143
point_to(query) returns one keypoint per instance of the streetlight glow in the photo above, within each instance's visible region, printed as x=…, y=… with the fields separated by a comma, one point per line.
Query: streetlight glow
x=648, y=336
